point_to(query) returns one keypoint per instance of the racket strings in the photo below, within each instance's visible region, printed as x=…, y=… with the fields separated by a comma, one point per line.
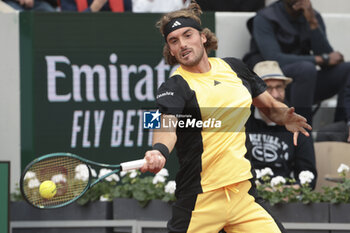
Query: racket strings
x=70, y=176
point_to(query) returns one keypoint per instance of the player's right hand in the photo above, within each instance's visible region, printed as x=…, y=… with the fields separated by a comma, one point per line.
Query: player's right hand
x=155, y=161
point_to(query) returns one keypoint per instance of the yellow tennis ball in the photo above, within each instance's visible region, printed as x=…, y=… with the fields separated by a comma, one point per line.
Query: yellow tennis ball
x=47, y=189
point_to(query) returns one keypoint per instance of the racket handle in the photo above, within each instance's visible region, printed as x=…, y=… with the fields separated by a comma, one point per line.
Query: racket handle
x=136, y=164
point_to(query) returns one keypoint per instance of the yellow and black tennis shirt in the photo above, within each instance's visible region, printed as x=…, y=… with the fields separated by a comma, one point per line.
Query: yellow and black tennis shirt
x=210, y=157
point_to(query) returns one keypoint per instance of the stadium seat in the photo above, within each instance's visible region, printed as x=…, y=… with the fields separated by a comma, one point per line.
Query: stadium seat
x=5, y=8
x=329, y=155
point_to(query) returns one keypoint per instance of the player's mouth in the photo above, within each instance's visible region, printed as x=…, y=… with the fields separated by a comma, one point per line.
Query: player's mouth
x=185, y=53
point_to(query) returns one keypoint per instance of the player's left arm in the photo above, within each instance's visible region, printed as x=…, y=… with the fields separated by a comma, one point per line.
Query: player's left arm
x=281, y=114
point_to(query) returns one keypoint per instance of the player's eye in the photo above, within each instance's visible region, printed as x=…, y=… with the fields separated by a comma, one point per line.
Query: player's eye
x=172, y=41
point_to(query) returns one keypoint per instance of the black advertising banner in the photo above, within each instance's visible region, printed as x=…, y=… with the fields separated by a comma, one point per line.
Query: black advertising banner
x=86, y=80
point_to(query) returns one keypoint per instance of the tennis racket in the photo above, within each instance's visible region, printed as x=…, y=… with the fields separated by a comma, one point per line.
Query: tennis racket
x=71, y=174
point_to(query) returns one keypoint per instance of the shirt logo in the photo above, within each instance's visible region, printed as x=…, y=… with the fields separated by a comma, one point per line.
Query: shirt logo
x=216, y=82
x=165, y=94
x=268, y=148
x=176, y=23
x=151, y=119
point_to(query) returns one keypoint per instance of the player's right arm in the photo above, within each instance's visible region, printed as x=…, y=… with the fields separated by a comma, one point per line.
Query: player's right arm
x=171, y=99
x=164, y=140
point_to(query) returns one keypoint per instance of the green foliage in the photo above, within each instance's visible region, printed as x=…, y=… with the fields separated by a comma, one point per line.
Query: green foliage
x=141, y=189
x=338, y=194
x=103, y=188
x=17, y=195
x=292, y=192
x=130, y=186
x=147, y=188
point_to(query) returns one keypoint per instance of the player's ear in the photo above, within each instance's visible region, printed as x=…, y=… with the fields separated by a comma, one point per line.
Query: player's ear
x=171, y=53
x=204, y=38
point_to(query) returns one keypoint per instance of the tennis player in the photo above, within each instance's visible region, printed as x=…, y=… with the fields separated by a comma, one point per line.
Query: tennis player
x=213, y=184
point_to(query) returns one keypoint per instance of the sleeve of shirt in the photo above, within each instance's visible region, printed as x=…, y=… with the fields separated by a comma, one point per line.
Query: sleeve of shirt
x=255, y=84
x=305, y=158
x=172, y=95
x=264, y=36
x=319, y=41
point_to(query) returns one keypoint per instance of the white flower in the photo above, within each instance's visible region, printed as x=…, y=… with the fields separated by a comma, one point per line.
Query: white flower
x=103, y=172
x=164, y=172
x=29, y=175
x=158, y=179
x=266, y=172
x=122, y=173
x=257, y=182
x=277, y=180
x=110, y=178
x=170, y=187
x=81, y=172
x=343, y=168
x=258, y=173
x=306, y=177
x=33, y=183
x=81, y=167
x=160, y=176
x=93, y=172
x=58, y=178
x=132, y=173
x=81, y=176
x=103, y=198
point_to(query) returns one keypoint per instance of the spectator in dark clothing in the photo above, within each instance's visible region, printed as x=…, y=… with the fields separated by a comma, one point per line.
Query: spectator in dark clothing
x=231, y=5
x=336, y=131
x=340, y=130
x=32, y=5
x=347, y=106
x=294, y=34
x=270, y=145
x=96, y=5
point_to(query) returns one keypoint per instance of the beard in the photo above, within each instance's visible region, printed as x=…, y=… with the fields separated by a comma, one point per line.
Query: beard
x=193, y=62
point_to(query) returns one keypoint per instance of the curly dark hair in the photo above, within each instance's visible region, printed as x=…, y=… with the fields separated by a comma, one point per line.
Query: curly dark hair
x=193, y=11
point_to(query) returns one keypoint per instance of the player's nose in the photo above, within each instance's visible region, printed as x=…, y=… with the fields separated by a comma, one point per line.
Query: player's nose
x=182, y=43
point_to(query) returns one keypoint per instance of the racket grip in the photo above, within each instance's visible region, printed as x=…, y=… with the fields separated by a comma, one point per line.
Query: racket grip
x=136, y=164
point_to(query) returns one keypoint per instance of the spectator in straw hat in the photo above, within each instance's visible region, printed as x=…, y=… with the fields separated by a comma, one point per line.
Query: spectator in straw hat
x=269, y=145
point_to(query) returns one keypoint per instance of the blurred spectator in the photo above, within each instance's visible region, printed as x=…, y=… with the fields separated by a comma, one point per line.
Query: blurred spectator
x=268, y=2
x=32, y=5
x=294, y=34
x=347, y=106
x=271, y=145
x=160, y=6
x=231, y=5
x=338, y=131
x=96, y=5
